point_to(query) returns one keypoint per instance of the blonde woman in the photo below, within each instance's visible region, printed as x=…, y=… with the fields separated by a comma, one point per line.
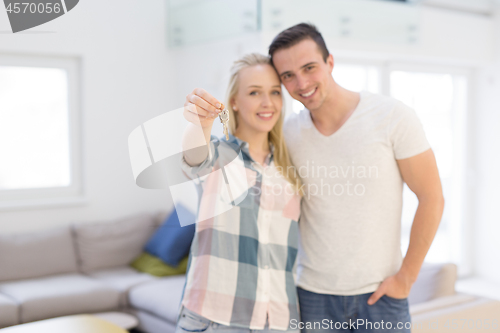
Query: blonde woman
x=240, y=273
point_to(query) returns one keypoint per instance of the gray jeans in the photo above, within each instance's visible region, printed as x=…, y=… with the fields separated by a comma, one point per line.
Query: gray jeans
x=191, y=322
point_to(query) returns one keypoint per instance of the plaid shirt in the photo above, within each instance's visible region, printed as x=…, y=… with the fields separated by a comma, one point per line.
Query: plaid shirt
x=242, y=261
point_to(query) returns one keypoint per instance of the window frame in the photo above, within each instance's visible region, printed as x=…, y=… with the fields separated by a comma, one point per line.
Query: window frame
x=73, y=194
x=464, y=260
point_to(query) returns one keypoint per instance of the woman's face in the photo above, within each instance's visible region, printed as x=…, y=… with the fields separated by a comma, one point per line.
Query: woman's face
x=258, y=101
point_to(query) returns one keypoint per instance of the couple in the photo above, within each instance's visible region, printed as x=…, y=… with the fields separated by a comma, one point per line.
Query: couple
x=353, y=151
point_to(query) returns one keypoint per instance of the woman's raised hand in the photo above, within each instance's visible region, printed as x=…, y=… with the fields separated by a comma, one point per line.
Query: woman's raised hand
x=201, y=108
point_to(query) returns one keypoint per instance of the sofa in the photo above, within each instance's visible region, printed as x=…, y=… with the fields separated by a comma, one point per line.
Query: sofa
x=435, y=306
x=84, y=267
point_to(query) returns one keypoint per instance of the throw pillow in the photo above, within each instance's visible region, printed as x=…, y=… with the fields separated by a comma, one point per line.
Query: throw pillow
x=150, y=264
x=171, y=242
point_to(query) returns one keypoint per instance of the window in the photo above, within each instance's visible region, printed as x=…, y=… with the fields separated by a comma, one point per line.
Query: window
x=39, y=134
x=440, y=100
x=439, y=96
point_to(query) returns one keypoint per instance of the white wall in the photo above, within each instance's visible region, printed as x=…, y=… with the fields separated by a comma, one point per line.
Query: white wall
x=126, y=80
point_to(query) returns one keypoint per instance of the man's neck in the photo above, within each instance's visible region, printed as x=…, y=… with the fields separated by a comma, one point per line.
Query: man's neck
x=335, y=110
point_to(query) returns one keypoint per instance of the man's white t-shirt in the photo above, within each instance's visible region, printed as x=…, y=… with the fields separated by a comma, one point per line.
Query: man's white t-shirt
x=350, y=224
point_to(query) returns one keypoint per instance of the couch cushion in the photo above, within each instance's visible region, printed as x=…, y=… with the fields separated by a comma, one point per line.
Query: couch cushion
x=59, y=296
x=433, y=281
x=9, y=312
x=112, y=244
x=37, y=254
x=479, y=314
x=441, y=303
x=161, y=297
x=121, y=279
x=171, y=241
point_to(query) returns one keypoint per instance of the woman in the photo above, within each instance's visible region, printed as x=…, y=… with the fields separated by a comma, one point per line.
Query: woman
x=241, y=260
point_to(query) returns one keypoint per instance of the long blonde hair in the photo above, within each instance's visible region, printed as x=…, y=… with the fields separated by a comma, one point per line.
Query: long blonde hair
x=281, y=156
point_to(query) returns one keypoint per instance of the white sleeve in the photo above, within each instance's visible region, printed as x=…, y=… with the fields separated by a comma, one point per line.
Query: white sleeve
x=406, y=132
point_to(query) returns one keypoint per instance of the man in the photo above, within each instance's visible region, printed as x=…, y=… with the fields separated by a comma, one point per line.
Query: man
x=353, y=152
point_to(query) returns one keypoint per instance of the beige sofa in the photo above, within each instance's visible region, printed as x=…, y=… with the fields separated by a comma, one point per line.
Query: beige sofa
x=78, y=268
x=435, y=306
x=84, y=268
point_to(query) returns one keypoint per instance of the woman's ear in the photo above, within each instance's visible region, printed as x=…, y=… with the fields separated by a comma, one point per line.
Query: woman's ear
x=233, y=104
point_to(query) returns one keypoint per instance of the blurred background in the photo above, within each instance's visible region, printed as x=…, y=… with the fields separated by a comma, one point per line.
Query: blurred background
x=73, y=89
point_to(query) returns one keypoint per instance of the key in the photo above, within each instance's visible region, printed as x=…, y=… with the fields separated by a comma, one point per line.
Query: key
x=224, y=119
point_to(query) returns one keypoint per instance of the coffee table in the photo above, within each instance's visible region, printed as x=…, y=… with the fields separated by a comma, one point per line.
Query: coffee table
x=83, y=323
x=121, y=319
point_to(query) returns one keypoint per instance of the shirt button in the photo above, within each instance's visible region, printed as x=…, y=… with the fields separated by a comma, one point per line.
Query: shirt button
x=266, y=267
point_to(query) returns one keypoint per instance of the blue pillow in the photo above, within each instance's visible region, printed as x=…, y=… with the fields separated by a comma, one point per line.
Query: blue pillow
x=171, y=241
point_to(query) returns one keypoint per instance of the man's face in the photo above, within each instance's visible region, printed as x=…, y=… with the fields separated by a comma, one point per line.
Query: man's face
x=304, y=73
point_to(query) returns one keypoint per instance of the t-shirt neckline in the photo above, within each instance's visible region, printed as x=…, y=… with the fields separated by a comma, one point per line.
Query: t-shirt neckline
x=362, y=94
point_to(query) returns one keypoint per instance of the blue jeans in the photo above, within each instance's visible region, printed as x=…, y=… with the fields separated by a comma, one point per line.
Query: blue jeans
x=332, y=313
x=190, y=322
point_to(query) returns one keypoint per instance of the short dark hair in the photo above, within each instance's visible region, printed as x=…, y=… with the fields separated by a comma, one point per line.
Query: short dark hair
x=293, y=35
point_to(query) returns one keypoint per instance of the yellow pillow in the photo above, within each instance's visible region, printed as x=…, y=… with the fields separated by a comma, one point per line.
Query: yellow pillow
x=153, y=265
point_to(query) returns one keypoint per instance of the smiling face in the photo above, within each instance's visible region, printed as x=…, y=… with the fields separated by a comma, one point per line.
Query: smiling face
x=304, y=73
x=258, y=101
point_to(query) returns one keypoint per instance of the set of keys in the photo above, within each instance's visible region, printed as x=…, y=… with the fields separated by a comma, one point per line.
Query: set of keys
x=224, y=119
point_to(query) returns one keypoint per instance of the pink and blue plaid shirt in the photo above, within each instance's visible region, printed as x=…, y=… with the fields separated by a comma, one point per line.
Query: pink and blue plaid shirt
x=241, y=262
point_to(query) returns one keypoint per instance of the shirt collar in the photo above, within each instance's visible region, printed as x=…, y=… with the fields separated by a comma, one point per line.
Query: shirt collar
x=244, y=147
